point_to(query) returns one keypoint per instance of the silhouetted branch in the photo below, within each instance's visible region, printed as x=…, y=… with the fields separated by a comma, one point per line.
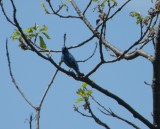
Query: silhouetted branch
x=111, y=113
x=64, y=39
x=94, y=69
x=76, y=109
x=48, y=87
x=30, y=120
x=75, y=46
x=147, y=83
x=100, y=40
x=13, y=79
x=119, y=9
x=156, y=81
x=34, y=49
x=57, y=12
x=120, y=102
x=118, y=53
x=90, y=56
x=90, y=2
x=97, y=120
x=8, y=19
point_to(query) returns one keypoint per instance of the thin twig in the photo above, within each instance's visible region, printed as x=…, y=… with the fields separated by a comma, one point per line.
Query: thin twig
x=34, y=49
x=97, y=120
x=64, y=40
x=111, y=113
x=119, y=9
x=13, y=79
x=48, y=87
x=8, y=19
x=90, y=56
x=87, y=7
x=76, y=109
x=57, y=12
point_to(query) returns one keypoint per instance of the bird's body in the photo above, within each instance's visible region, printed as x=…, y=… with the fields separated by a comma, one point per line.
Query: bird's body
x=70, y=61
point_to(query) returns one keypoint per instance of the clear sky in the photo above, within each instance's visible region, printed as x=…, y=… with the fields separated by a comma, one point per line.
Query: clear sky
x=125, y=78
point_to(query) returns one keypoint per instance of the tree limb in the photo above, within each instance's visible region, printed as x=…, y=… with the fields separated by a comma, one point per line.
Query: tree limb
x=13, y=79
x=120, y=101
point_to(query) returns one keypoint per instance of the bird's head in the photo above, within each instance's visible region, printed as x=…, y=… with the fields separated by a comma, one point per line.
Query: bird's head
x=64, y=50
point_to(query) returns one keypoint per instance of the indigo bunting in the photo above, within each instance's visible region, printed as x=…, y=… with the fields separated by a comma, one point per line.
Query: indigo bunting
x=70, y=61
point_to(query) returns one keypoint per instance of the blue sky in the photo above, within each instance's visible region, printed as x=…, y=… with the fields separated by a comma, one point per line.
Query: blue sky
x=125, y=78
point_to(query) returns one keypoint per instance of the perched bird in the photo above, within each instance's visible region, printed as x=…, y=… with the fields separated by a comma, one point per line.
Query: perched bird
x=70, y=61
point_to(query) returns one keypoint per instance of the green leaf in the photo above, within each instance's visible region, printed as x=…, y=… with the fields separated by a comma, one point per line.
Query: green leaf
x=103, y=3
x=16, y=35
x=84, y=84
x=29, y=30
x=89, y=92
x=79, y=100
x=31, y=35
x=46, y=35
x=138, y=16
x=42, y=43
x=45, y=28
x=42, y=3
x=80, y=92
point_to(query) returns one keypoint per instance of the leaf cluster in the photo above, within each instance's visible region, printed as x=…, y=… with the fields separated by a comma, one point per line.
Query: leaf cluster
x=139, y=18
x=32, y=33
x=84, y=93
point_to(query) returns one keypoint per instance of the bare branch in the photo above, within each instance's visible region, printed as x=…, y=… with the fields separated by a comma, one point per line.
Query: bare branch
x=120, y=54
x=30, y=120
x=120, y=101
x=13, y=79
x=111, y=113
x=48, y=87
x=8, y=19
x=34, y=49
x=100, y=41
x=156, y=81
x=64, y=39
x=90, y=2
x=90, y=56
x=76, y=109
x=57, y=12
x=147, y=83
x=94, y=69
x=119, y=9
x=75, y=46
x=97, y=120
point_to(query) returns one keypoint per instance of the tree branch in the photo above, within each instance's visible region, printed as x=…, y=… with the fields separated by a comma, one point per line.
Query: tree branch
x=105, y=43
x=48, y=87
x=156, y=82
x=13, y=79
x=8, y=19
x=120, y=101
x=97, y=120
x=57, y=12
x=34, y=49
x=111, y=113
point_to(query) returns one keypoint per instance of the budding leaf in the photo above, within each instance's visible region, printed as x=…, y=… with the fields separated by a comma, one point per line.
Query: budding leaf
x=84, y=84
x=42, y=43
x=46, y=35
x=79, y=100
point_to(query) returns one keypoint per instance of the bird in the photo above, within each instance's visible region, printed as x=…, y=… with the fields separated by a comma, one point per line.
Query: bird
x=70, y=61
